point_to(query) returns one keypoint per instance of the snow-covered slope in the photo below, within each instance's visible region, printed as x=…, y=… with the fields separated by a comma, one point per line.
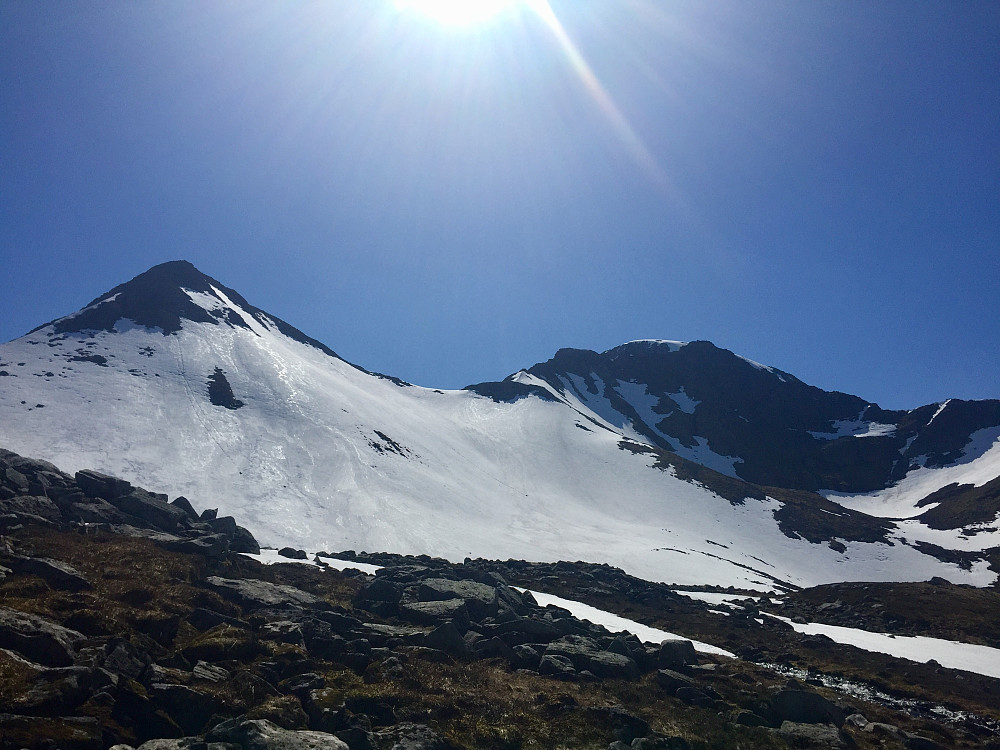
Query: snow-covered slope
x=757, y=423
x=177, y=383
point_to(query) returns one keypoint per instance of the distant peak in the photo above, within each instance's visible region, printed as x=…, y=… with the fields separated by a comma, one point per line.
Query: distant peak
x=180, y=273
x=156, y=298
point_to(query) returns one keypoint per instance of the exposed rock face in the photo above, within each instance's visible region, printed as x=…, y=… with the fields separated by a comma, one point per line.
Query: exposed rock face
x=780, y=431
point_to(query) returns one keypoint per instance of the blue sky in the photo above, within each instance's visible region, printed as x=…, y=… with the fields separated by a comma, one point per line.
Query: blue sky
x=814, y=185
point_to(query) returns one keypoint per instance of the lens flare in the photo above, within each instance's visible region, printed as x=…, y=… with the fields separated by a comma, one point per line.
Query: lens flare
x=626, y=134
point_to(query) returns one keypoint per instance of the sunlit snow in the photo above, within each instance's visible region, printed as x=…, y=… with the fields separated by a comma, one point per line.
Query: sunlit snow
x=325, y=456
x=952, y=654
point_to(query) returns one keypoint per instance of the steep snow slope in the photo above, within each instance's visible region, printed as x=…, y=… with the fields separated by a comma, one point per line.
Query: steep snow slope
x=325, y=455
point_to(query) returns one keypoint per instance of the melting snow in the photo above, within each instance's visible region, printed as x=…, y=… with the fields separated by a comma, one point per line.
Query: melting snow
x=616, y=624
x=952, y=654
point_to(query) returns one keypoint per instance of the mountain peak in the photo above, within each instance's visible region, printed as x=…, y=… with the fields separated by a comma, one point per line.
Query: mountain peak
x=157, y=298
x=161, y=299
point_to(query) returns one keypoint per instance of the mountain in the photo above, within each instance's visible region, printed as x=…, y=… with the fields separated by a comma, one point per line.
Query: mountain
x=677, y=462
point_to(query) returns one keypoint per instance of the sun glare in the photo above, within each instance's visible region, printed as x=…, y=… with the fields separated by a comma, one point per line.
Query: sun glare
x=457, y=12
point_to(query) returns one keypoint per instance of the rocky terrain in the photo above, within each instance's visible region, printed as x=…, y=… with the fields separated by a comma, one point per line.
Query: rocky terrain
x=132, y=621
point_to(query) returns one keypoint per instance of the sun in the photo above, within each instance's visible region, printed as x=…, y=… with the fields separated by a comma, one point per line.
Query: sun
x=457, y=12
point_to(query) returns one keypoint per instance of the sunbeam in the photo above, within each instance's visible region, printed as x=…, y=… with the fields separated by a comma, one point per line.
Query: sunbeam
x=629, y=138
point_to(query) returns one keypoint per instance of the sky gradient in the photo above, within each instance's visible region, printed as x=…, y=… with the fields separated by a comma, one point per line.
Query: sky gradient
x=815, y=186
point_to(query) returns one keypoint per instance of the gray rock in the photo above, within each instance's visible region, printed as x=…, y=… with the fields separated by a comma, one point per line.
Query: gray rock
x=811, y=735
x=556, y=665
x=56, y=573
x=806, y=707
x=676, y=654
x=447, y=638
x=253, y=594
x=210, y=545
x=409, y=736
x=151, y=509
x=184, y=504
x=261, y=734
x=100, y=485
x=38, y=639
x=525, y=657
x=244, y=541
x=291, y=553
x=432, y=613
x=34, y=506
x=283, y=631
x=126, y=660
x=670, y=680
x=586, y=654
x=480, y=598
x=209, y=672
x=57, y=691
x=749, y=719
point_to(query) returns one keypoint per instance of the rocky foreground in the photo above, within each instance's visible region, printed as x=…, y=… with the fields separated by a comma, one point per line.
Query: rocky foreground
x=127, y=620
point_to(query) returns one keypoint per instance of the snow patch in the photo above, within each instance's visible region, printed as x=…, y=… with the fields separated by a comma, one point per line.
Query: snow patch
x=900, y=500
x=684, y=402
x=857, y=427
x=970, y=657
x=617, y=624
x=705, y=456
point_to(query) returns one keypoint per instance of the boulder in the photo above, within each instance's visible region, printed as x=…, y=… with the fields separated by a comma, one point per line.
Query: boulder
x=244, y=541
x=409, y=736
x=525, y=657
x=37, y=639
x=31, y=507
x=57, y=691
x=586, y=654
x=806, y=707
x=210, y=545
x=151, y=509
x=479, y=598
x=676, y=653
x=670, y=680
x=293, y=554
x=253, y=594
x=811, y=735
x=433, y=613
x=261, y=734
x=184, y=504
x=100, y=485
x=447, y=638
x=209, y=672
x=556, y=665
x=57, y=574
